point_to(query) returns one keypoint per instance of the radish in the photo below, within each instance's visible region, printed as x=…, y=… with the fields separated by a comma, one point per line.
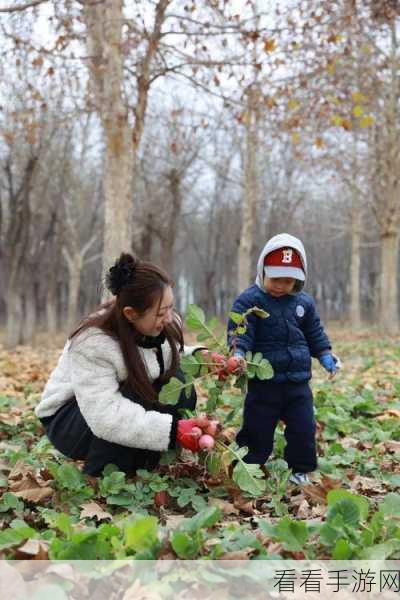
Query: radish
x=196, y=432
x=213, y=428
x=233, y=364
x=206, y=442
x=202, y=421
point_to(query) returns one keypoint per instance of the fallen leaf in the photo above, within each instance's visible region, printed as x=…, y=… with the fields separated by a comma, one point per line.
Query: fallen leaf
x=32, y=550
x=244, y=505
x=27, y=484
x=242, y=554
x=304, y=510
x=226, y=507
x=92, y=509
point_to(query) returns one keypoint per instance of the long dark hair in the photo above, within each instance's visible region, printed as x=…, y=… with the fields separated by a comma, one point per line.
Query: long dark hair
x=140, y=285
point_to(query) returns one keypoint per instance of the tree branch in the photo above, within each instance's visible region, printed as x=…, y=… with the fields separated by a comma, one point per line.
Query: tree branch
x=21, y=7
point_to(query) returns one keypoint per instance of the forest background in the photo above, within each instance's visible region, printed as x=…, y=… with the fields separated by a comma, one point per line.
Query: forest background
x=190, y=132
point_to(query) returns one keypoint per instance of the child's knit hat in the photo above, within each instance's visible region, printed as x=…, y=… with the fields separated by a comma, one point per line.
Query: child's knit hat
x=284, y=262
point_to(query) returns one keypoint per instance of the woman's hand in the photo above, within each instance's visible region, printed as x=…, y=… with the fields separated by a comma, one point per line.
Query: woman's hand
x=188, y=434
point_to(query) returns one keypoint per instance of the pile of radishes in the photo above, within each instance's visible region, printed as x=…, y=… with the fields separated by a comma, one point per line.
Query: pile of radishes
x=205, y=431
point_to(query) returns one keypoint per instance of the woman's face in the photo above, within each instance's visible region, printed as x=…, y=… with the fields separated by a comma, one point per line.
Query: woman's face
x=153, y=321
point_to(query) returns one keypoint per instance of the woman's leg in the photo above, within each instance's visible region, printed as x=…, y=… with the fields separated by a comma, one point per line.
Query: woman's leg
x=68, y=431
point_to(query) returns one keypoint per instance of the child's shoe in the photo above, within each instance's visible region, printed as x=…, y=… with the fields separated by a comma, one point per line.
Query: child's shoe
x=300, y=479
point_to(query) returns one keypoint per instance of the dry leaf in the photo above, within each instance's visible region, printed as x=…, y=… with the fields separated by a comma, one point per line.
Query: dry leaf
x=32, y=550
x=226, y=507
x=28, y=485
x=244, y=504
x=304, y=510
x=242, y=554
x=92, y=509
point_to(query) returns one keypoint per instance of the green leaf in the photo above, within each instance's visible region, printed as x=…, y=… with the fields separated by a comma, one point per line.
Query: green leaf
x=204, y=519
x=171, y=391
x=337, y=495
x=70, y=477
x=347, y=509
x=195, y=317
x=264, y=370
x=203, y=336
x=342, y=550
x=112, y=483
x=190, y=365
x=259, y=312
x=236, y=317
x=10, y=501
x=185, y=545
x=249, y=478
x=293, y=534
x=142, y=533
x=63, y=523
x=13, y=536
x=257, y=358
x=390, y=507
x=389, y=549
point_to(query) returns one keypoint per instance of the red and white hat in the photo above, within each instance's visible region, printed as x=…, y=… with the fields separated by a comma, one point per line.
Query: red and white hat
x=284, y=262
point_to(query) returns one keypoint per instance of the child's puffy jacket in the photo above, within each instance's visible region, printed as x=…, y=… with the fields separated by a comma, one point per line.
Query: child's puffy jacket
x=288, y=338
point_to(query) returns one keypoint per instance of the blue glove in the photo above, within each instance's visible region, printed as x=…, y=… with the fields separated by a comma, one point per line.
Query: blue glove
x=328, y=362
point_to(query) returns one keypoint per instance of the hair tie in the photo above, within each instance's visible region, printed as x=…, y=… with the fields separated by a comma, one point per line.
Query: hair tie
x=121, y=273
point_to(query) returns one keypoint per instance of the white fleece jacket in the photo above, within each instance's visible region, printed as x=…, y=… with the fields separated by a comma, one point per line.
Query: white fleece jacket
x=91, y=368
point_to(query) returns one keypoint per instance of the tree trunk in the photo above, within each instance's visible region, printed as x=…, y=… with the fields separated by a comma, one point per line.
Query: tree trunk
x=30, y=317
x=75, y=264
x=15, y=315
x=170, y=233
x=389, y=319
x=355, y=265
x=245, y=267
x=104, y=25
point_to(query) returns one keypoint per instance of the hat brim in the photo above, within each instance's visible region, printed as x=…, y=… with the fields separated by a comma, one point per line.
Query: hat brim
x=285, y=272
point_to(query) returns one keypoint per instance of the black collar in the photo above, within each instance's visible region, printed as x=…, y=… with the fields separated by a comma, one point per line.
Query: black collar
x=149, y=341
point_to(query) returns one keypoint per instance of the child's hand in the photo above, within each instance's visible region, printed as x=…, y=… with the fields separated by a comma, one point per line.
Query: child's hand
x=330, y=363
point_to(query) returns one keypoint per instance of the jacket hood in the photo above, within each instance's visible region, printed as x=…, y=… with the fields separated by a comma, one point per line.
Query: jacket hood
x=282, y=240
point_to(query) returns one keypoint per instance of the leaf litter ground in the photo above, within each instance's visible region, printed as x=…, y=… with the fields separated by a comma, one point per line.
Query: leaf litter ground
x=184, y=509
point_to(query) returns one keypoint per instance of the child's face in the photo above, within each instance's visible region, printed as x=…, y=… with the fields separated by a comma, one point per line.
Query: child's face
x=279, y=286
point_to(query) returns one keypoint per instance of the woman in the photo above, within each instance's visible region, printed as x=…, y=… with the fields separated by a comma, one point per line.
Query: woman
x=101, y=403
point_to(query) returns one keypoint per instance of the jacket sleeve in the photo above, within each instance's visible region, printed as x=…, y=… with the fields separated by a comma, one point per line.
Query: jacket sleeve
x=314, y=332
x=108, y=413
x=245, y=341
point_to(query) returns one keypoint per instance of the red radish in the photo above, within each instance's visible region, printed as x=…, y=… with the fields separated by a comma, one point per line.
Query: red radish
x=206, y=442
x=205, y=354
x=162, y=498
x=218, y=358
x=233, y=364
x=222, y=375
x=213, y=428
x=202, y=420
x=196, y=432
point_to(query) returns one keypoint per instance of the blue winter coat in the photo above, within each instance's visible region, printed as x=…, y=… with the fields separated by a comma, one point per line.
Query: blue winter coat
x=288, y=338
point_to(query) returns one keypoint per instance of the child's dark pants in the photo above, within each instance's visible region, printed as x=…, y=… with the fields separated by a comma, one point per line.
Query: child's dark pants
x=268, y=402
x=70, y=434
